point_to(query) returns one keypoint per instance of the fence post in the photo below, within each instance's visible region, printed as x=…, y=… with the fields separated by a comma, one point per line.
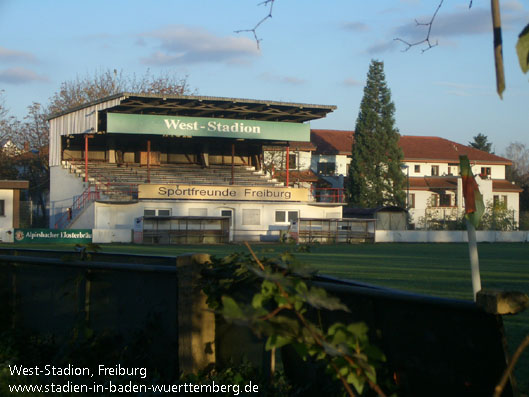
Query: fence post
x=196, y=323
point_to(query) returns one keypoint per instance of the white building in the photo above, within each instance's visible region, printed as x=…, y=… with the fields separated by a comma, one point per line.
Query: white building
x=435, y=187
x=10, y=203
x=432, y=164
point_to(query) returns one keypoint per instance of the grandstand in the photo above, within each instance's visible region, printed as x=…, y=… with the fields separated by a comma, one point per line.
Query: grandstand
x=110, y=159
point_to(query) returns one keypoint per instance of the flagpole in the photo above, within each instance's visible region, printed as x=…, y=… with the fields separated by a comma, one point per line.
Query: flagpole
x=474, y=258
x=474, y=209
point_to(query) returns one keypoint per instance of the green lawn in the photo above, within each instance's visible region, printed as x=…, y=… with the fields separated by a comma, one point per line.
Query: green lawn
x=436, y=269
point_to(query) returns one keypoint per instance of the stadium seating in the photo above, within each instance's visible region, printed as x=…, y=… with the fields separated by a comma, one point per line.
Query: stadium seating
x=120, y=182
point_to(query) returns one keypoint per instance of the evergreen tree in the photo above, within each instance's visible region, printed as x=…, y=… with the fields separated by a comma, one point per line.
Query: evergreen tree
x=481, y=142
x=375, y=174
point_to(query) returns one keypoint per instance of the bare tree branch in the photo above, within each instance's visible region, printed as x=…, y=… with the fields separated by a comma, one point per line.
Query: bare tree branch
x=427, y=38
x=265, y=3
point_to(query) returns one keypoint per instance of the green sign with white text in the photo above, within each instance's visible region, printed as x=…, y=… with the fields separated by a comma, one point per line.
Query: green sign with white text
x=53, y=236
x=206, y=127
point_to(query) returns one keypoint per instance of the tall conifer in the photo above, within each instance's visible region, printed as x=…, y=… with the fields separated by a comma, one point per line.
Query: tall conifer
x=375, y=174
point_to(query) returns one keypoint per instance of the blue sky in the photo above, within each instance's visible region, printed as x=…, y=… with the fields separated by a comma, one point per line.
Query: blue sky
x=311, y=52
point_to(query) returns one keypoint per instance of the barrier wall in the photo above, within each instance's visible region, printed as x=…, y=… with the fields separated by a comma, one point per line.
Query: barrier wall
x=131, y=307
x=446, y=236
x=102, y=236
x=112, y=236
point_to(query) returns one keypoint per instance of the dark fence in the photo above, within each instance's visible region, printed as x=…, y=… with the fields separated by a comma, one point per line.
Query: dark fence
x=433, y=346
x=140, y=307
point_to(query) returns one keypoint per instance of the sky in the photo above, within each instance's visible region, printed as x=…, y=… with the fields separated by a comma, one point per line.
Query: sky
x=310, y=51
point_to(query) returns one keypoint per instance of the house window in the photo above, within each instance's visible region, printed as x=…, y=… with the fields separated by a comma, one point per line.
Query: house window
x=497, y=200
x=485, y=172
x=434, y=200
x=157, y=212
x=435, y=170
x=445, y=200
x=452, y=169
x=286, y=216
x=251, y=217
x=326, y=168
x=2, y=208
x=417, y=168
x=227, y=213
x=292, y=161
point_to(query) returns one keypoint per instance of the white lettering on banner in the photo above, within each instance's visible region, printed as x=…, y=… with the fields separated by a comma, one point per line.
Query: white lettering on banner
x=177, y=125
x=212, y=126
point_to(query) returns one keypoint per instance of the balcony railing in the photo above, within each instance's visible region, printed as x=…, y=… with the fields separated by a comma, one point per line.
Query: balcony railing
x=328, y=195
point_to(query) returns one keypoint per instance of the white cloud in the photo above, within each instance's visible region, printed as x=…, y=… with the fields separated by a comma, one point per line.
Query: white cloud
x=382, y=46
x=513, y=5
x=273, y=78
x=8, y=55
x=356, y=26
x=465, y=89
x=350, y=82
x=461, y=22
x=180, y=44
x=19, y=75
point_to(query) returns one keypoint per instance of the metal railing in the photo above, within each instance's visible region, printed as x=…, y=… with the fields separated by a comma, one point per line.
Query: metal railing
x=328, y=195
x=79, y=203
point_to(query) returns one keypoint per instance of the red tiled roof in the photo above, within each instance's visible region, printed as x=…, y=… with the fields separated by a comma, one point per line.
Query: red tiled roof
x=332, y=141
x=427, y=148
x=418, y=148
x=505, y=186
x=427, y=183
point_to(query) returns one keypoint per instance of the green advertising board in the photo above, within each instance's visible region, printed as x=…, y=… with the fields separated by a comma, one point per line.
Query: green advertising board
x=120, y=123
x=53, y=236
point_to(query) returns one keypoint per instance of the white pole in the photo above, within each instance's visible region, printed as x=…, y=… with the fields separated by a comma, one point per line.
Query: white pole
x=474, y=259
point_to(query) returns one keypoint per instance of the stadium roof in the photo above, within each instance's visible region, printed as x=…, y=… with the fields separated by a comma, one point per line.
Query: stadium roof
x=206, y=106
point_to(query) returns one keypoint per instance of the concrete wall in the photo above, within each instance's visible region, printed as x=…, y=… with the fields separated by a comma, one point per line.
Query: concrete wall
x=85, y=220
x=341, y=161
x=111, y=236
x=121, y=216
x=65, y=186
x=445, y=236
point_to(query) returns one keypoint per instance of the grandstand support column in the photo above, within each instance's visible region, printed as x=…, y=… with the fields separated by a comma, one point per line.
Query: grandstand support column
x=232, y=163
x=86, y=157
x=111, y=150
x=287, y=164
x=149, y=161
